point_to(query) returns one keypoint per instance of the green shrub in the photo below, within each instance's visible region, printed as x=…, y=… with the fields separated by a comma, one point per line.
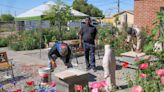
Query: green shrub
x=26, y=40
x=70, y=34
x=114, y=38
x=64, y=34
x=4, y=42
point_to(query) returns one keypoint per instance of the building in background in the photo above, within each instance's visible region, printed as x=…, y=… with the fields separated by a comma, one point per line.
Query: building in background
x=33, y=18
x=120, y=19
x=145, y=12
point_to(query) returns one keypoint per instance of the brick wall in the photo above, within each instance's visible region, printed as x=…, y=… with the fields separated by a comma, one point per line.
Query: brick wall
x=145, y=12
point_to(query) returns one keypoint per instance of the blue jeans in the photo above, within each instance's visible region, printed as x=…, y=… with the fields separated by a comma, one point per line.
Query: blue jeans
x=89, y=49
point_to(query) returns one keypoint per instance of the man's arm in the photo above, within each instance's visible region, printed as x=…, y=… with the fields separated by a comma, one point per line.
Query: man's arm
x=96, y=37
x=128, y=39
x=51, y=51
x=139, y=40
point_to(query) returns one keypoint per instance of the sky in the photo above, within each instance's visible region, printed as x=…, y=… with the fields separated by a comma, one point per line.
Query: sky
x=109, y=7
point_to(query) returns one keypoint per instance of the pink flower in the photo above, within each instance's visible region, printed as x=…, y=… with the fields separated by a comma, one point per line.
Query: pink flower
x=137, y=89
x=143, y=66
x=95, y=85
x=95, y=90
x=162, y=80
x=78, y=88
x=143, y=75
x=160, y=72
x=103, y=83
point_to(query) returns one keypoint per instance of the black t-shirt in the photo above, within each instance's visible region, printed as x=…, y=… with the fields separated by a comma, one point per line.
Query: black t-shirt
x=88, y=33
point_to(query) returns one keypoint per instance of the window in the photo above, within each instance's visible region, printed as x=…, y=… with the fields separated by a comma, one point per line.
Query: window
x=162, y=9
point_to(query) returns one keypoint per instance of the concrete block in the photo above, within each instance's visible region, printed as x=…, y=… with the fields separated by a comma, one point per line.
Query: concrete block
x=68, y=78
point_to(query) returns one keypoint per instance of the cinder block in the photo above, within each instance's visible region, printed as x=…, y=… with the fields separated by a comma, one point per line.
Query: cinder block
x=68, y=78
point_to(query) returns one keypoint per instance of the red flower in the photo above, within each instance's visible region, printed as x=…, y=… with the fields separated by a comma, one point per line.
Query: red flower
x=160, y=72
x=125, y=65
x=32, y=91
x=143, y=66
x=143, y=75
x=30, y=83
x=18, y=90
x=78, y=88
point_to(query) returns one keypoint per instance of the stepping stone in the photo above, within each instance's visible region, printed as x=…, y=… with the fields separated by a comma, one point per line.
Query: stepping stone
x=133, y=54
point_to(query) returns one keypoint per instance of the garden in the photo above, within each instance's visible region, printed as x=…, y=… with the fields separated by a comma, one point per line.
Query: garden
x=149, y=71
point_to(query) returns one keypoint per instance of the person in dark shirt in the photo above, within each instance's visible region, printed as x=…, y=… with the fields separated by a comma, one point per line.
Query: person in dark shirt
x=62, y=50
x=87, y=38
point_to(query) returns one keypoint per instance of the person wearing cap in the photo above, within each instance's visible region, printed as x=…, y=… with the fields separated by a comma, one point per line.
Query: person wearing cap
x=62, y=50
x=135, y=35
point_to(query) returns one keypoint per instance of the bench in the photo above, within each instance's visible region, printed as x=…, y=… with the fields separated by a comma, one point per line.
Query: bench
x=4, y=64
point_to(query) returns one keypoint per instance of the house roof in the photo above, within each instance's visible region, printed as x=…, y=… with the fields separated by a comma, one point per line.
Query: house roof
x=109, y=17
x=39, y=11
x=123, y=12
x=36, y=11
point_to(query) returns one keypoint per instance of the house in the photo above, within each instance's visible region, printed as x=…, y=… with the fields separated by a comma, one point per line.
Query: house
x=32, y=18
x=145, y=12
x=108, y=20
x=122, y=18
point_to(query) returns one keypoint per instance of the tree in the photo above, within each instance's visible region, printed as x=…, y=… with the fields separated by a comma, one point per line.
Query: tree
x=7, y=18
x=89, y=9
x=58, y=14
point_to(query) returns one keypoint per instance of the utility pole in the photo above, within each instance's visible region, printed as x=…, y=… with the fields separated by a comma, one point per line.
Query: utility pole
x=118, y=5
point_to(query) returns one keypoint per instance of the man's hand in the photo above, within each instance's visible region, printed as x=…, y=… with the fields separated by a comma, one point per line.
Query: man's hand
x=53, y=64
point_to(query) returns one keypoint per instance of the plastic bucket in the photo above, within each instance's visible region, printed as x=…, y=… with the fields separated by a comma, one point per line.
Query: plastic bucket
x=45, y=74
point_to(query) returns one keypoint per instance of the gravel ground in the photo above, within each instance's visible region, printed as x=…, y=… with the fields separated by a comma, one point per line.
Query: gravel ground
x=26, y=72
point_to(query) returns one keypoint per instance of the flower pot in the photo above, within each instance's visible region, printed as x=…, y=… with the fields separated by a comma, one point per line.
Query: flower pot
x=45, y=74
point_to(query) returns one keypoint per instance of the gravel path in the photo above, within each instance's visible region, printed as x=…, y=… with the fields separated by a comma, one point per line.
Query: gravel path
x=27, y=69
